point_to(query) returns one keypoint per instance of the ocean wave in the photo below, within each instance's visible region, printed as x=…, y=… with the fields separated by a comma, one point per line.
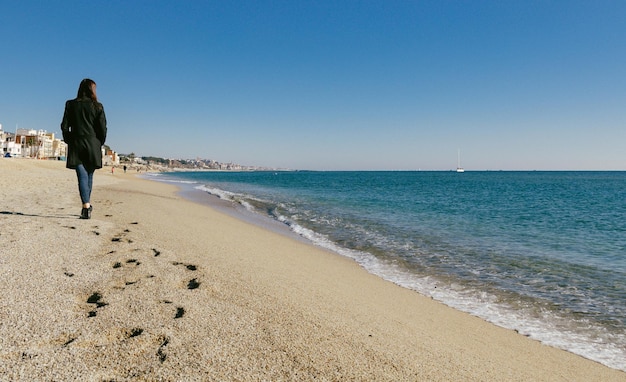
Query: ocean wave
x=157, y=176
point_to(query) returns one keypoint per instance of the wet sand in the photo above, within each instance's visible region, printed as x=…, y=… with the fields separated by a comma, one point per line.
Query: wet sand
x=156, y=287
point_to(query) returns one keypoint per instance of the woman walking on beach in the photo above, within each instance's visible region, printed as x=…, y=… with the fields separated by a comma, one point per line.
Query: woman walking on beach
x=84, y=128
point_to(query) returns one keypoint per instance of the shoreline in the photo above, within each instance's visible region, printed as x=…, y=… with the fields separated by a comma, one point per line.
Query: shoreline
x=551, y=327
x=235, y=210
x=189, y=293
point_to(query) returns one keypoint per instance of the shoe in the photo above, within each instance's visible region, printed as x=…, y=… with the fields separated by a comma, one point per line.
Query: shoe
x=85, y=213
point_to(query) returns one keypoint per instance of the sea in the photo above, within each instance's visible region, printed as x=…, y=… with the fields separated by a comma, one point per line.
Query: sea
x=541, y=253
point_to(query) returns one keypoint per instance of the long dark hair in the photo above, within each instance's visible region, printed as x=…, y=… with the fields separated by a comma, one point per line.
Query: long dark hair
x=85, y=90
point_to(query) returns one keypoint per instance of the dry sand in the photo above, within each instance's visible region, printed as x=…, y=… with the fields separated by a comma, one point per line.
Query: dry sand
x=158, y=288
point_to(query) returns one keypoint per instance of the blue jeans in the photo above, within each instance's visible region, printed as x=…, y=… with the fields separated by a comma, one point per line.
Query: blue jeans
x=85, y=182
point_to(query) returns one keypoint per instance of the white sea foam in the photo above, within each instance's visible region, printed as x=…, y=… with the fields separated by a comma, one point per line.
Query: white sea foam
x=180, y=181
x=230, y=196
x=225, y=195
x=159, y=177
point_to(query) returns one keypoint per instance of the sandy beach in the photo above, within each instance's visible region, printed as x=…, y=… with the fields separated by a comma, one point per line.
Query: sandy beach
x=158, y=288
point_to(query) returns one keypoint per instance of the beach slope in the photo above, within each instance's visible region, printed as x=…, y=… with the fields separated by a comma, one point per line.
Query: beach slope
x=156, y=287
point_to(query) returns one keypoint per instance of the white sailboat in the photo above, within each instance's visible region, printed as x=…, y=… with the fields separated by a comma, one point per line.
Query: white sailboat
x=458, y=166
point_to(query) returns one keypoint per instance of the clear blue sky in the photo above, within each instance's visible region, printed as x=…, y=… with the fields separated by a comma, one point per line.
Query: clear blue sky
x=331, y=84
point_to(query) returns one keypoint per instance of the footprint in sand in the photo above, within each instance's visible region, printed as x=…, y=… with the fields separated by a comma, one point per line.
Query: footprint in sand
x=193, y=283
x=190, y=267
x=96, y=299
x=130, y=333
x=162, y=356
x=118, y=238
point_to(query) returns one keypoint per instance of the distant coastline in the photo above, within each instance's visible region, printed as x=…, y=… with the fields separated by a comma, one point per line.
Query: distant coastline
x=157, y=164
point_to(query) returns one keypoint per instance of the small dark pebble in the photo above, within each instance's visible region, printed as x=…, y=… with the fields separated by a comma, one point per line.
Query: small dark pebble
x=94, y=298
x=193, y=284
x=69, y=341
x=135, y=332
x=162, y=356
x=191, y=267
x=117, y=265
x=179, y=312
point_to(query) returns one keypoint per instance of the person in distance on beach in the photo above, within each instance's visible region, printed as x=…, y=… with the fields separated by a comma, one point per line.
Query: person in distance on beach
x=84, y=128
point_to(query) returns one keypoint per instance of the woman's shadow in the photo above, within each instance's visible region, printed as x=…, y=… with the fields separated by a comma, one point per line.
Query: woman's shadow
x=39, y=216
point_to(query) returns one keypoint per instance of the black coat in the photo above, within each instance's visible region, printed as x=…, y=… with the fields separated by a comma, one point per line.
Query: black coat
x=84, y=128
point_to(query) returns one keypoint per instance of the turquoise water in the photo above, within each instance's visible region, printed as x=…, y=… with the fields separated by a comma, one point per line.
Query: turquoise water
x=543, y=253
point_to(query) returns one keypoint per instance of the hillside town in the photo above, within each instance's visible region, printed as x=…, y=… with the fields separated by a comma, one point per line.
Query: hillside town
x=40, y=144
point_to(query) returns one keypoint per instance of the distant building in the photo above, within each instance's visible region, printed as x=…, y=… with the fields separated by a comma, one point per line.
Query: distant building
x=28, y=143
x=110, y=158
x=39, y=144
x=9, y=145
